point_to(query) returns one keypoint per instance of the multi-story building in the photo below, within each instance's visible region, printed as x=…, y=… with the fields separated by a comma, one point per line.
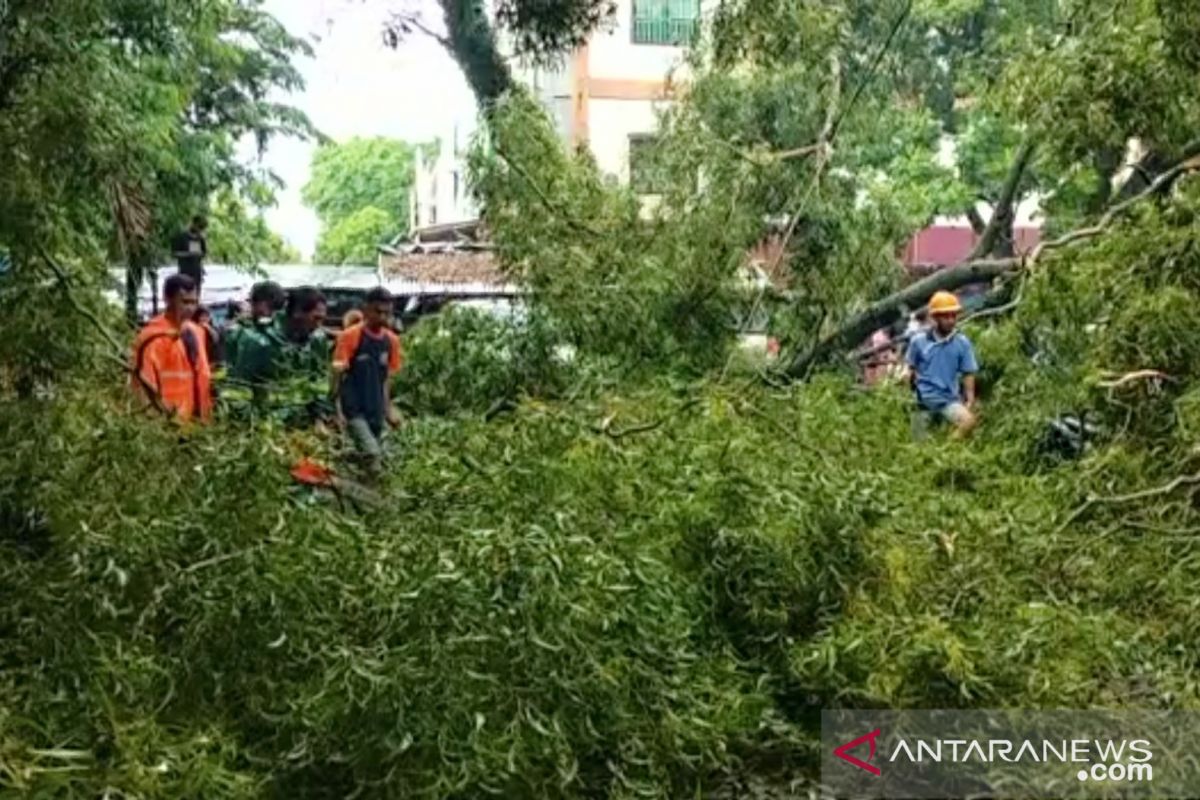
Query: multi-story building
x=439, y=193
x=606, y=95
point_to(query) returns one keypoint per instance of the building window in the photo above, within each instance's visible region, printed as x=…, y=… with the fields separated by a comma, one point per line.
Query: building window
x=645, y=173
x=670, y=22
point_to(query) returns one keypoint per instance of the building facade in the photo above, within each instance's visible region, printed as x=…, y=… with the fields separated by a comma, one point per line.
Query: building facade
x=607, y=96
x=439, y=193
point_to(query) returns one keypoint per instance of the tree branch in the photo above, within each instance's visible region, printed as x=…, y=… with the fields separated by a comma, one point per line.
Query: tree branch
x=872, y=70
x=821, y=149
x=65, y=282
x=550, y=205
x=114, y=356
x=1003, y=211
x=1117, y=381
x=1190, y=164
x=977, y=223
x=407, y=22
x=1146, y=494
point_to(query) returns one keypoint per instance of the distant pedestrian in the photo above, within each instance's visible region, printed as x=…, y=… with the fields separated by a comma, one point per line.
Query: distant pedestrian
x=365, y=359
x=943, y=370
x=878, y=365
x=171, y=368
x=190, y=248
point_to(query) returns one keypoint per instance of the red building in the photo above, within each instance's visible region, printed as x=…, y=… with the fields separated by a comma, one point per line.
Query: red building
x=946, y=244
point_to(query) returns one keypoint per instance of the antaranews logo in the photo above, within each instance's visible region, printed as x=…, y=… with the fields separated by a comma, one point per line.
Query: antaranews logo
x=843, y=752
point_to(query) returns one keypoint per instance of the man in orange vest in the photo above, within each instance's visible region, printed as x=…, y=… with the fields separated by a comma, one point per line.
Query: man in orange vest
x=171, y=369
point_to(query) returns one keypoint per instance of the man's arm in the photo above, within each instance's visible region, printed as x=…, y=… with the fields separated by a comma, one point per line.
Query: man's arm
x=968, y=366
x=395, y=361
x=343, y=352
x=968, y=382
x=910, y=358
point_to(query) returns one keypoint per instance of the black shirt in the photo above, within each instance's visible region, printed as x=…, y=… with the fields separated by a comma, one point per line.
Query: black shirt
x=366, y=375
x=190, y=249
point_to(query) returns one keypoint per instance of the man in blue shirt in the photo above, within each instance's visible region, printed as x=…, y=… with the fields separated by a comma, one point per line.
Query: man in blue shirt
x=943, y=367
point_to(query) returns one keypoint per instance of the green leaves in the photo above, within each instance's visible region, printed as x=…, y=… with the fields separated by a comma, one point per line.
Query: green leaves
x=112, y=104
x=360, y=190
x=355, y=239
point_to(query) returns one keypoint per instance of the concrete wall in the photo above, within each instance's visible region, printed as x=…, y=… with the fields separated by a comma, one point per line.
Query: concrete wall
x=613, y=54
x=611, y=123
x=602, y=95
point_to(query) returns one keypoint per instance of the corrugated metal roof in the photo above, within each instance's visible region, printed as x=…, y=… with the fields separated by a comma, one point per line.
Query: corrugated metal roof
x=223, y=284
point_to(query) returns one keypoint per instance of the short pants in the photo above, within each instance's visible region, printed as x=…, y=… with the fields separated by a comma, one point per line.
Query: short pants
x=923, y=418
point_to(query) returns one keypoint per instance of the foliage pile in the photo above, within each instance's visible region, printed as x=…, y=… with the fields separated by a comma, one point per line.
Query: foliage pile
x=640, y=592
x=464, y=360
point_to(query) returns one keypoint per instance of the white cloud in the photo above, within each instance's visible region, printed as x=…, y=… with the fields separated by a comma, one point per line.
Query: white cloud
x=357, y=86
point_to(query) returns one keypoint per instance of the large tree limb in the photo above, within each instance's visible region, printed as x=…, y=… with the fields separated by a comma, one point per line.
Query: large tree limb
x=1004, y=211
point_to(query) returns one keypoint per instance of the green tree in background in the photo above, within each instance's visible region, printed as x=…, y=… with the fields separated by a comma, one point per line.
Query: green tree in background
x=355, y=239
x=239, y=236
x=351, y=185
x=119, y=121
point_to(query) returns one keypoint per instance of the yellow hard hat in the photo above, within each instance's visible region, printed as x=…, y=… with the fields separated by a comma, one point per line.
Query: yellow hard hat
x=944, y=303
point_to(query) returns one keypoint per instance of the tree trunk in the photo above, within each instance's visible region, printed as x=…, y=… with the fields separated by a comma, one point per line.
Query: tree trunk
x=997, y=239
x=471, y=40
x=133, y=283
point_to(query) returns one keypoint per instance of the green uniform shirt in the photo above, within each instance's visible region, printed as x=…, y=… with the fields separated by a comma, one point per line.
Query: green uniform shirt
x=233, y=335
x=287, y=379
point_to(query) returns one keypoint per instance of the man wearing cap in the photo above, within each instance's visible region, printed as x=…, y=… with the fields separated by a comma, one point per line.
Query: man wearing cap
x=943, y=367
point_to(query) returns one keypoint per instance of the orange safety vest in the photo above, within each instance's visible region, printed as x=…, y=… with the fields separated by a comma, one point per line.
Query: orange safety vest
x=172, y=365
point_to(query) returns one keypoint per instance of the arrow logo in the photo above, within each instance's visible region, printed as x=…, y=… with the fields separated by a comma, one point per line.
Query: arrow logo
x=843, y=752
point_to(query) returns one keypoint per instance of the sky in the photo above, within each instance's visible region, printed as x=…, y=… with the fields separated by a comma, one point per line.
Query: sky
x=356, y=86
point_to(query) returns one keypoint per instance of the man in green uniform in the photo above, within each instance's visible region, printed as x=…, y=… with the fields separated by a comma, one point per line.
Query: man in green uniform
x=286, y=364
x=266, y=300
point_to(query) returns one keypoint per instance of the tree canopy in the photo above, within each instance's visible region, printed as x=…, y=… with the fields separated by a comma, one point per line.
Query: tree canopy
x=119, y=121
x=355, y=239
x=360, y=191
x=239, y=236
